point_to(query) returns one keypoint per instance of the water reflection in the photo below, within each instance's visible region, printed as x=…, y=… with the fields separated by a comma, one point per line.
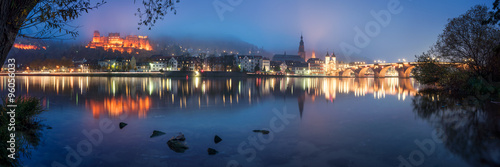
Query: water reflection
x=470, y=130
x=116, y=106
x=115, y=96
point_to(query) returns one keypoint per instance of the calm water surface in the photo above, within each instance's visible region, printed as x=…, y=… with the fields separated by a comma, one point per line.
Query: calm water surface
x=313, y=122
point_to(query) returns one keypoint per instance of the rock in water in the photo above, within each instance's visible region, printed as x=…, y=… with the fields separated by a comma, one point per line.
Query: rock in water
x=180, y=137
x=156, y=134
x=122, y=124
x=217, y=139
x=262, y=131
x=177, y=144
x=212, y=151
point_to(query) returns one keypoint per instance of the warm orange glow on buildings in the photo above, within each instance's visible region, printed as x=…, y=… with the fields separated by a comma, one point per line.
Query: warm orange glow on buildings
x=28, y=47
x=118, y=106
x=114, y=42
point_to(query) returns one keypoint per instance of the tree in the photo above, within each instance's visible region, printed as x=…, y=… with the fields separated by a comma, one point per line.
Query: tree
x=45, y=19
x=277, y=68
x=465, y=60
x=466, y=39
x=236, y=69
x=256, y=68
x=428, y=71
x=495, y=14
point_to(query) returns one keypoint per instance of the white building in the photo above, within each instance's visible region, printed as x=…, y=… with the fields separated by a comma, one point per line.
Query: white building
x=248, y=62
x=330, y=64
x=301, y=69
x=157, y=66
x=265, y=64
x=172, y=65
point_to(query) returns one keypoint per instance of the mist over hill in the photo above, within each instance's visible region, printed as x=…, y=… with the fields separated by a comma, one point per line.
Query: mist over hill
x=188, y=45
x=166, y=45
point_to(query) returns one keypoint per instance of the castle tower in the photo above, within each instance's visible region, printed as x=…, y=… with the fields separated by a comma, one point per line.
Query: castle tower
x=302, y=52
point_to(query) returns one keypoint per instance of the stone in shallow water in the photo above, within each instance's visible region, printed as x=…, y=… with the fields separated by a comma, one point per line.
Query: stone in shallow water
x=262, y=131
x=180, y=137
x=156, y=134
x=217, y=139
x=212, y=151
x=177, y=143
x=122, y=124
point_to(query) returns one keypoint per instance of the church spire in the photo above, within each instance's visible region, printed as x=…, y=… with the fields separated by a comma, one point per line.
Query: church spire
x=302, y=52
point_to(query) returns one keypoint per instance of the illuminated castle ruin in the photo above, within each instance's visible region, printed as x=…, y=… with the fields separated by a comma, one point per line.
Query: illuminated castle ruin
x=28, y=47
x=114, y=42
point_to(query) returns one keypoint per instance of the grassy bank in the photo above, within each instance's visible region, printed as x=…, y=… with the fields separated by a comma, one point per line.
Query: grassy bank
x=27, y=132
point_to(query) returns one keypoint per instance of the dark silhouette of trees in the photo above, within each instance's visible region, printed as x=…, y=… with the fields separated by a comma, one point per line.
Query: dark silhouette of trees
x=256, y=68
x=429, y=71
x=467, y=40
x=495, y=14
x=470, y=50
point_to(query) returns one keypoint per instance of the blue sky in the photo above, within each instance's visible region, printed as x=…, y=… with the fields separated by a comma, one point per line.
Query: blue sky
x=276, y=25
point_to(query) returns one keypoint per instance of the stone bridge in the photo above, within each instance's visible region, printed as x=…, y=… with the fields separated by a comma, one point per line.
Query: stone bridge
x=404, y=69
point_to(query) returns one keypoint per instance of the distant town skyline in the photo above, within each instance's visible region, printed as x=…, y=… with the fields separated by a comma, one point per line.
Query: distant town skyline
x=277, y=25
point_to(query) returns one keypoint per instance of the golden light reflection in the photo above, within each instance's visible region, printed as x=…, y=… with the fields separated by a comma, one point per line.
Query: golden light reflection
x=135, y=95
x=116, y=106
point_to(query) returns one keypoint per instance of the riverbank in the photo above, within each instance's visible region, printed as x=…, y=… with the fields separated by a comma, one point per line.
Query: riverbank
x=179, y=74
x=139, y=74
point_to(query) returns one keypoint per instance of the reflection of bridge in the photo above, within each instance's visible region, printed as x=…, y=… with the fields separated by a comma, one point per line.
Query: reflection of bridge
x=379, y=70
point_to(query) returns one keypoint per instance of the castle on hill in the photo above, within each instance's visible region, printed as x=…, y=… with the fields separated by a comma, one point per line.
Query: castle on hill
x=116, y=43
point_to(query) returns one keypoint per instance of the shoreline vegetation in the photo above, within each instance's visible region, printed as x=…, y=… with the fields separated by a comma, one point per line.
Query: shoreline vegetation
x=470, y=48
x=28, y=129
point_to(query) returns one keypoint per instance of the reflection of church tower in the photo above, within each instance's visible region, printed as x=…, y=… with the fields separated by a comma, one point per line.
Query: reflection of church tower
x=301, y=100
x=302, y=53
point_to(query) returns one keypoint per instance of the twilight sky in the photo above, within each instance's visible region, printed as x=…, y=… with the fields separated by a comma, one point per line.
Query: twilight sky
x=276, y=25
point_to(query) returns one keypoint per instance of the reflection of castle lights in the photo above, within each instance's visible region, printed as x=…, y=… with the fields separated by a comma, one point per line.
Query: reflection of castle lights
x=118, y=106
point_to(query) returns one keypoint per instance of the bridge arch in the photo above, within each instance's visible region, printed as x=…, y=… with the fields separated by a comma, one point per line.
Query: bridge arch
x=408, y=71
x=347, y=73
x=361, y=71
x=381, y=71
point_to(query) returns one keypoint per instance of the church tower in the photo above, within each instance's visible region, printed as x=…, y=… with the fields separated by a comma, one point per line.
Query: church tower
x=302, y=53
x=333, y=61
x=327, y=58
